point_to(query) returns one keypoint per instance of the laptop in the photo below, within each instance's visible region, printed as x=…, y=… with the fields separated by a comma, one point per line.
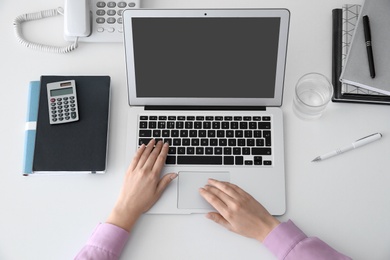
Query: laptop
x=210, y=83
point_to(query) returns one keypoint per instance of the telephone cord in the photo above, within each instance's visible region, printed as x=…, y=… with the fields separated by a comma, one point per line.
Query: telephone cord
x=19, y=20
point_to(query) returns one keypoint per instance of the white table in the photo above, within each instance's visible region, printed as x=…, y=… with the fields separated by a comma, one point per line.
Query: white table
x=344, y=200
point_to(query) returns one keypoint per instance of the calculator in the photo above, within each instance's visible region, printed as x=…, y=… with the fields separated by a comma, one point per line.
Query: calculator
x=62, y=102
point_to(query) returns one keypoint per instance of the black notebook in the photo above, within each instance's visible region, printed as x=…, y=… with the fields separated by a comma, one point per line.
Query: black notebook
x=79, y=146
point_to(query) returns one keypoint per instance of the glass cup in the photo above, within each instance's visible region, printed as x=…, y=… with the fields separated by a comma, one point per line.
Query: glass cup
x=313, y=92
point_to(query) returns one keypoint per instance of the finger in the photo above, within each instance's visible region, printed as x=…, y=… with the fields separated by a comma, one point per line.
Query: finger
x=214, y=200
x=228, y=188
x=161, y=158
x=136, y=158
x=225, y=198
x=146, y=153
x=164, y=182
x=153, y=156
x=219, y=219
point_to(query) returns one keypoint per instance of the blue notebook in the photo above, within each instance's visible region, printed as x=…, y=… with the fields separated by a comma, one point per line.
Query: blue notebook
x=31, y=126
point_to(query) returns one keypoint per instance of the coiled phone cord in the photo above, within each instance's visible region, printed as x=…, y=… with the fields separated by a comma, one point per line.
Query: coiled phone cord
x=37, y=46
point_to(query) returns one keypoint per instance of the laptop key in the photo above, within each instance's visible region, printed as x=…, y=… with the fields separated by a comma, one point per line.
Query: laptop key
x=143, y=124
x=156, y=133
x=228, y=160
x=199, y=150
x=216, y=160
x=170, y=160
x=172, y=150
x=145, y=133
x=264, y=125
x=239, y=160
x=258, y=160
x=181, y=150
x=144, y=141
x=261, y=151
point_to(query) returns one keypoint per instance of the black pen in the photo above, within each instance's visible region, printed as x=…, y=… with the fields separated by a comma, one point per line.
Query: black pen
x=367, y=36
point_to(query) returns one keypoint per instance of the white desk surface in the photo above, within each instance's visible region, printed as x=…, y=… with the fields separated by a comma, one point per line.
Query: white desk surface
x=344, y=200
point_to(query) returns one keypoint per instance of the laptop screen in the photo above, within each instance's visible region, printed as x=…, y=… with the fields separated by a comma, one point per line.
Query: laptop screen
x=197, y=58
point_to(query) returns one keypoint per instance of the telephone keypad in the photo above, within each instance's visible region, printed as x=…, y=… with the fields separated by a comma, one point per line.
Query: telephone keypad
x=109, y=20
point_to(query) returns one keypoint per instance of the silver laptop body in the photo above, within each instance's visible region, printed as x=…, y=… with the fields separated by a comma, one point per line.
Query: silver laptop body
x=209, y=82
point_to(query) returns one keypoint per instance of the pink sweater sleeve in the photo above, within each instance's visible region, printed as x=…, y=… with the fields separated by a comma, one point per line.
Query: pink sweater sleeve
x=288, y=242
x=106, y=242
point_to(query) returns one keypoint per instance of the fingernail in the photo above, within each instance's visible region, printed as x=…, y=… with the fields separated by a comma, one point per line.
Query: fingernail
x=209, y=216
x=173, y=176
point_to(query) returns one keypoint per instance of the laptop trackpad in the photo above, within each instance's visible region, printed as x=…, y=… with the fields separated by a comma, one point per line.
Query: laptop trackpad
x=189, y=184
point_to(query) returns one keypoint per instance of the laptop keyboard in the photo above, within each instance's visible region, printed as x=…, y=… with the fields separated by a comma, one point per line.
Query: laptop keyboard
x=211, y=140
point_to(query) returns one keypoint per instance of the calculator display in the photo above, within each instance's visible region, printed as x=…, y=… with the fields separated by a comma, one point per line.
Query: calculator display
x=60, y=92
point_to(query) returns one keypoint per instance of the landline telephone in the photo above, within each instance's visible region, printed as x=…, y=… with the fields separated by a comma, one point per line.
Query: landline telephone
x=84, y=21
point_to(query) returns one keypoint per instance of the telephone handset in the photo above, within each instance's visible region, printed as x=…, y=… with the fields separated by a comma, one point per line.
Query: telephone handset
x=95, y=20
x=85, y=20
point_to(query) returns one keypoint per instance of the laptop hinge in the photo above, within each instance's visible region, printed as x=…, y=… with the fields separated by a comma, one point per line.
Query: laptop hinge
x=231, y=108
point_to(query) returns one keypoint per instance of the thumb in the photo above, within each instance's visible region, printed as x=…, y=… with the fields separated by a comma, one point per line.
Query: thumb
x=163, y=183
x=217, y=218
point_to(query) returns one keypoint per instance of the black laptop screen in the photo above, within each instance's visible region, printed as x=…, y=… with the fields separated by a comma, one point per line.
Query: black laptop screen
x=205, y=57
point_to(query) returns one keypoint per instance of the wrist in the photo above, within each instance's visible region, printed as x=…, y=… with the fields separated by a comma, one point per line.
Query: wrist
x=268, y=225
x=122, y=218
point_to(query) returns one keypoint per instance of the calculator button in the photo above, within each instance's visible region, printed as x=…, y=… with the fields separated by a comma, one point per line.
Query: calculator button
x=132, y=4
x=52, y=104
x=52, y=100
x=67, y=118
x=61, y=118
x=73, y=115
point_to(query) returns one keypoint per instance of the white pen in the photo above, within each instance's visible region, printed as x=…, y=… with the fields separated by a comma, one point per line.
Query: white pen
x=362, y=141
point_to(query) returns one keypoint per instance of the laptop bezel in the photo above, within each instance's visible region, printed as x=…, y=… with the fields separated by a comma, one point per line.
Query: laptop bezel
x=133, y=100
